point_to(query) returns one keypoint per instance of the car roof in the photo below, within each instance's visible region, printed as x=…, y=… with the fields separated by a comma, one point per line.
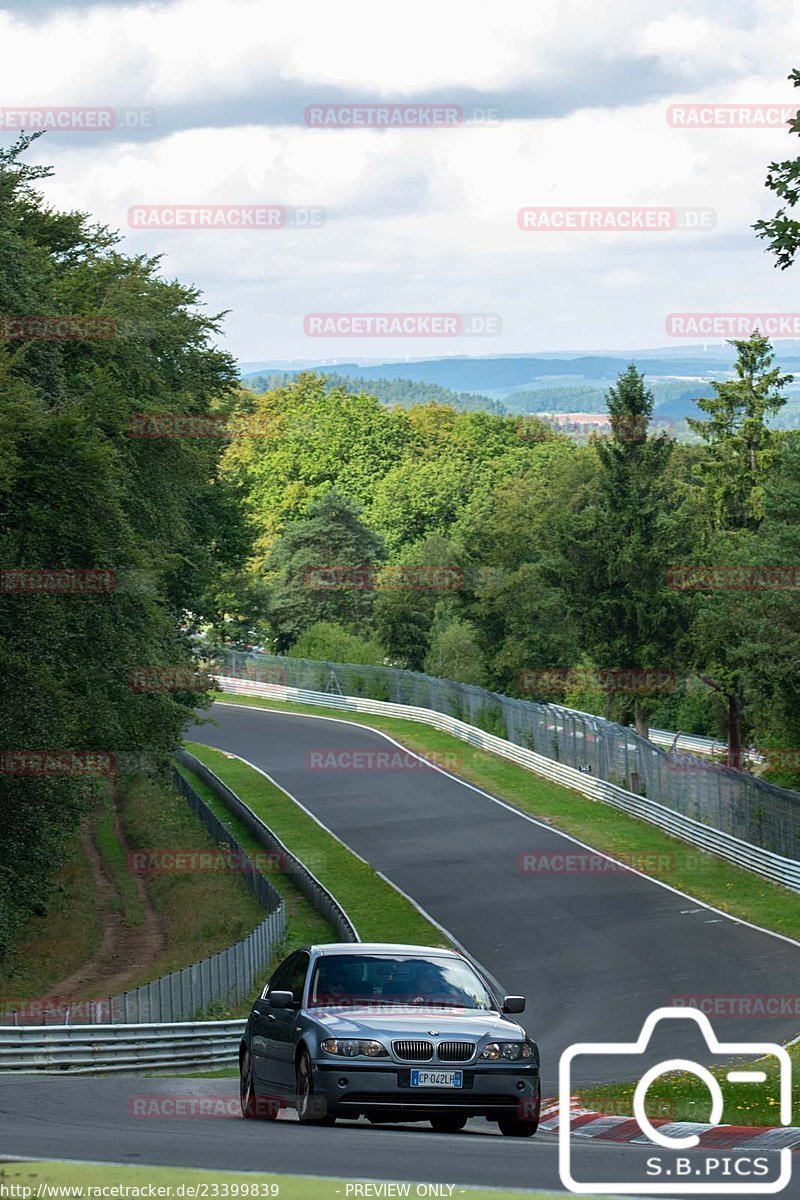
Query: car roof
x=331, y=948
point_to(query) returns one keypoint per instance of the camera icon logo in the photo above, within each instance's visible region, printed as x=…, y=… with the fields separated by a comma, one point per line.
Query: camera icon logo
x=697, y=1177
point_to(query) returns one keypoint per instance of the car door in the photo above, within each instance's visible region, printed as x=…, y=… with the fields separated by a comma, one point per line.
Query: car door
x=286, y=1027
x=262, y=1048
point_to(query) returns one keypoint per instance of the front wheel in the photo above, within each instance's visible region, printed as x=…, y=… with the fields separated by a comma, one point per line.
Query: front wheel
x=446, y=1124
x=527, y=1123
x=254, y=1107
x=311, y=1108
x=513, y=1127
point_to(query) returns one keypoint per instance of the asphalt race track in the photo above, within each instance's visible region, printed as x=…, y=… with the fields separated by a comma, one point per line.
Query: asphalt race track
x=89, y=1119
x=594, y=952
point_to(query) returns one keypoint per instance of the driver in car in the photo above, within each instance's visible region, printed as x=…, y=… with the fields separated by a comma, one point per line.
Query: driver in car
x=336, y=985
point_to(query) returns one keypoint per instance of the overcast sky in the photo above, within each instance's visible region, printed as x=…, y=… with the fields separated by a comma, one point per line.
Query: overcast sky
x=424, y=220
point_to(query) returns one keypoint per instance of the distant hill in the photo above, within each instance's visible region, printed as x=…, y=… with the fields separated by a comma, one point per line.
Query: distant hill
x=504, y=374
x=538, y=383
x=672, y=399
x=402, y=392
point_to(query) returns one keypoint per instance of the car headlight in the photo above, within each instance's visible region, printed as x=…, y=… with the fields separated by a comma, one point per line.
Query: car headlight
x=353, y=1047
x=510, y=1051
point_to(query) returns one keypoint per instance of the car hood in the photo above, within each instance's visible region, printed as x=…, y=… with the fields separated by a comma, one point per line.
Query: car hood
x=401, y=1023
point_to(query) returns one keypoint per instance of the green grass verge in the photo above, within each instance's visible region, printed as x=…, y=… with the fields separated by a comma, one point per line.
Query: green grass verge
x=201, y=912
x=21, y=1175
x=680, y=1096
x=704, y=876
x=377, y=910
x=126, y=900
x=304, y=925
x=52, y=946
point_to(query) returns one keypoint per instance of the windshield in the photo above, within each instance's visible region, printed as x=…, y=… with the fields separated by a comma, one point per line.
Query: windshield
x=388, y=980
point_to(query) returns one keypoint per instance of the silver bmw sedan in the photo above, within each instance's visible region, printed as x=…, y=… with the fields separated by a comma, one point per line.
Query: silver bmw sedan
x=392, y=1033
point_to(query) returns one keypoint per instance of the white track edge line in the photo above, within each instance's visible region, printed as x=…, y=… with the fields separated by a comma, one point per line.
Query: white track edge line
x=414, y=903
x=521, y=813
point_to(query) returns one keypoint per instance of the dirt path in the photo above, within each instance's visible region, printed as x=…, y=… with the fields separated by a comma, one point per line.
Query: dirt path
x=124, y=950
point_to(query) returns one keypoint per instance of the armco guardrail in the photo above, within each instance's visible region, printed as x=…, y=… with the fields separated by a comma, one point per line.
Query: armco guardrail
x=694, y=744
x=122, y=1045
x=734, y=802
x=772, y=866
x=689, y=742
x=90, y=1048
x=225, y=978
x=301, y=876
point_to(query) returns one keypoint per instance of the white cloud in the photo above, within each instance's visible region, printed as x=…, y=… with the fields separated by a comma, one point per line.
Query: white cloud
x=426, y=220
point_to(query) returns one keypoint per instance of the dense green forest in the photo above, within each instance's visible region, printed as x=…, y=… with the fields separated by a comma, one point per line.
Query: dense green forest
x=150, y=517
x=390, y=391
x=566, y=558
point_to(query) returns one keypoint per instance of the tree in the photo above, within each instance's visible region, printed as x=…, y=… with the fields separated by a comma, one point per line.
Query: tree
x=408, y=592
x=322, y=569
x=616, y=551
x=455, y=651
x=331, y=643
x=741, y=446
x=421, y=496
x=79, y=493
x=782, y=231
x=746, y=632
x=733, y=476
x=300, y=440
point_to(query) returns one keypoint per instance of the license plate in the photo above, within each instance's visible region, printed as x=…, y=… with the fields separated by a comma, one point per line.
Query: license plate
x=448, y=1079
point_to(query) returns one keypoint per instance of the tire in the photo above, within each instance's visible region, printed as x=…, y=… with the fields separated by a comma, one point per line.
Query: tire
x=310, y=1106
x=513, y=1127
x=523, y=1126
x=254, y=1107
x=448, y=1124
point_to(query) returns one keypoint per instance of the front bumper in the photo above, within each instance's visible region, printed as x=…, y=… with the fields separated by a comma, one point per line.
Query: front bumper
x=350, y=1090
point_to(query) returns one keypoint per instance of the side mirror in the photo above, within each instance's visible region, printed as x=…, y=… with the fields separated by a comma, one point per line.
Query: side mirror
x=513, y=1004
x=280, y=999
